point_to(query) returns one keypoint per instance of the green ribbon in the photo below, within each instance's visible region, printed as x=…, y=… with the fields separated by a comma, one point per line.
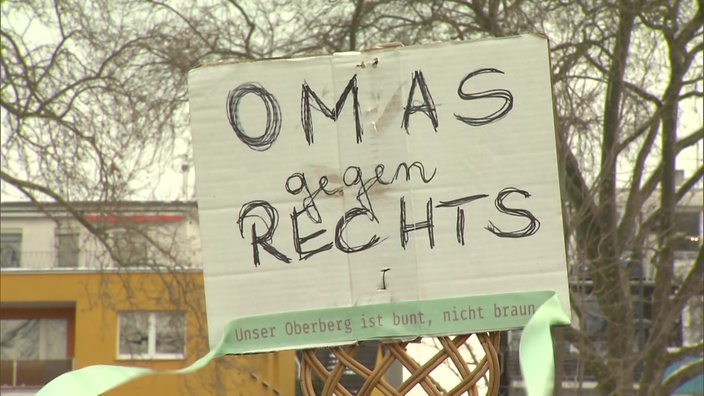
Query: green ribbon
x=345, y=325
x=535, y=351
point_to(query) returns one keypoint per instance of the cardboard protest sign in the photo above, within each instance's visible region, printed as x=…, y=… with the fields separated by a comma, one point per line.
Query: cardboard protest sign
x=387, y=193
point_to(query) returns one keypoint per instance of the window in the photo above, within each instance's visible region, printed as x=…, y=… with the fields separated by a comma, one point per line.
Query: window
x=595, y=325
x=33, y=339
x=10, y=249
x=688, y=231
x=593, y=322
x=693, y=328
x=66, y=248
x=130, y=247
x=33, y=351
x=152, y=335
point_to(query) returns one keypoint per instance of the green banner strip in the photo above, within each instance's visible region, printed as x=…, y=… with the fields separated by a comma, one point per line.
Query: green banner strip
x=535, y=311
x=535, y=351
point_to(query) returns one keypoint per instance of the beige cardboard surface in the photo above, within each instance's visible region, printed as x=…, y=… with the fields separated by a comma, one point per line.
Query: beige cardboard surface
x=474, y=164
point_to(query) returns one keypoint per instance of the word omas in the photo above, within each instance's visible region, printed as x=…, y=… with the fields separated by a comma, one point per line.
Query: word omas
x=262, y=212
x=309, y=99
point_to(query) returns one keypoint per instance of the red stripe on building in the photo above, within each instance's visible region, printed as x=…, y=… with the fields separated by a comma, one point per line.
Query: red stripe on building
x=134, y=219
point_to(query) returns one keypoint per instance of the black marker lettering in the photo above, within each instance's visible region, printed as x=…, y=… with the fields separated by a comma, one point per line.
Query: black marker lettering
x=353, y=176
x=492, y=93
x=459, y=227
x=340, y=241
x=428, y=105
x=333, y=114
x=532, y=227
x=407, y=170
x=460, y=212
x=298, y=241
x=363, y=192
x=309, y=200
x=273, y=116
x=271, y=221
x=407, y=228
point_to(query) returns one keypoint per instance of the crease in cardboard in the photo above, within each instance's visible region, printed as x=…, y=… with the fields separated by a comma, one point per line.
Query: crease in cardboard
x=334, y=60
x=401, y=67
x=379, y=297
x=393, y=107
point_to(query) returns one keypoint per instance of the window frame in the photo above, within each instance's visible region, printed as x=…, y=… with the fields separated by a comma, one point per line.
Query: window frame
x=152, y=353
x=43, y=337
x=13, y=233
x=685, y=241
x=63, y=251
x=139, y=255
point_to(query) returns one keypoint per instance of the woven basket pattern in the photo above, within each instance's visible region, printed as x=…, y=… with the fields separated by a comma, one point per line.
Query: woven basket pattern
x=374, y=379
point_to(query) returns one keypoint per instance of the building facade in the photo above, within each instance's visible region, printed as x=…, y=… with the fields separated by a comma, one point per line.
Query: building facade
x=689, y=330
x=122, y=286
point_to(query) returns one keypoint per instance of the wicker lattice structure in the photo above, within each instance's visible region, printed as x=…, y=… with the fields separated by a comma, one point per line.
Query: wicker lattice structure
x=374, y=379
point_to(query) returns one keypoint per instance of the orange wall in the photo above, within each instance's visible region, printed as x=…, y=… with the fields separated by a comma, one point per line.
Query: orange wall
x=99, y=296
